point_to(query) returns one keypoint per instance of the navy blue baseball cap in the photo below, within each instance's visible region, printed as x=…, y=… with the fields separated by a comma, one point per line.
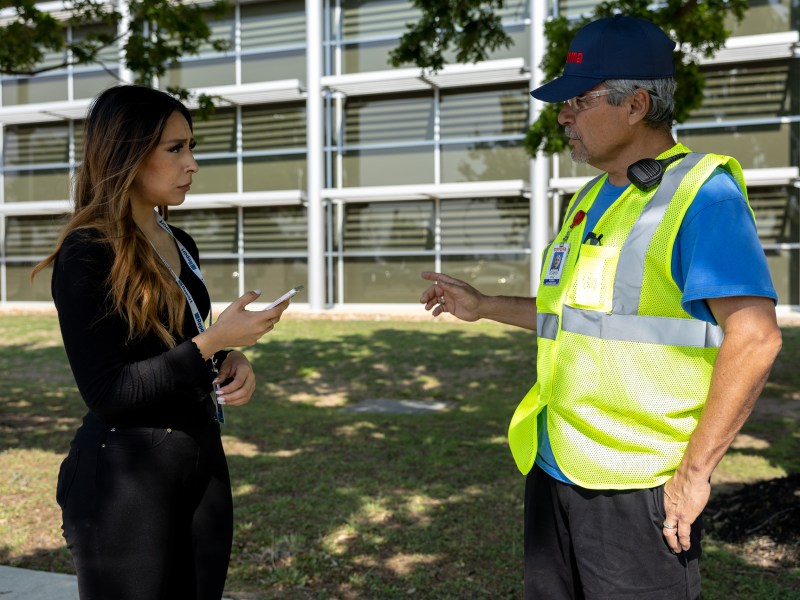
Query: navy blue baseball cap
x=618, y=47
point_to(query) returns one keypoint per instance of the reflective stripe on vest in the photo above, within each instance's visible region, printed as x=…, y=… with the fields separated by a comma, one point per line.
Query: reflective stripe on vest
x=546, y=325
x=637, y=328
x=630, y=270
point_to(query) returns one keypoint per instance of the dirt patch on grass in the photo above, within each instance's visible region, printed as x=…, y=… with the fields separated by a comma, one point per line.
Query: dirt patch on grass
x=763, y=518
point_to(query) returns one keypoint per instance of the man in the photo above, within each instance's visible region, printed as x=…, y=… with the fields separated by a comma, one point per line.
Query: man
x=655, y=335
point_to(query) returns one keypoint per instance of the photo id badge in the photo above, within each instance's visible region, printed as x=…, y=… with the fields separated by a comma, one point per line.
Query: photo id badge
x=556, y=266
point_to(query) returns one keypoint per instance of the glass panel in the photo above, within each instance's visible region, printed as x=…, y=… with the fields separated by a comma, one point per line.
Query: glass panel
x=483, y=161
x=385, y=279
x=222, y=29
x=491, y=274
x=36, y=144
x=215, y=176
x=754, y=147
x=212, y=230
x=514, y=10
x=222, y=279
x=275, y=229
x=746, y=93
x=88, y=80
x=484, y=113
x=519, y=47
x=387, y=167
x=274, y=66
x=765, y=16
x=32, y=236
x=282, y=172
x=216, y=133
x=785, y=268
x=276, y=275
x=386, y=121
x=367, y=56
x=271, y=24
x=373, y=18
x=573, y=9
x=777, y=215
x=35, y=89
x=18, y=283
x=200, y=73
x=389, y=226
x=77, y=134
x=108, y=55
x=88, y=84
x=478, y=223
x=45, y=184
x=274, y=127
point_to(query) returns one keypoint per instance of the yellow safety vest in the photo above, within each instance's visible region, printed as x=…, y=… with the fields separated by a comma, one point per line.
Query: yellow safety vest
x=623, y=370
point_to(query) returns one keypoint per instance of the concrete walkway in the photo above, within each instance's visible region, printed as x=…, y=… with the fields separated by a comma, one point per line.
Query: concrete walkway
x=24, y=584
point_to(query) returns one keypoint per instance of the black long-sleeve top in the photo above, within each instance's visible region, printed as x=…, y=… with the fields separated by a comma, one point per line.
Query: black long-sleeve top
x=128, y=383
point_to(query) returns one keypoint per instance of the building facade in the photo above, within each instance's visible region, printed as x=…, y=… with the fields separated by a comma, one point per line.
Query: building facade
x=325, y=166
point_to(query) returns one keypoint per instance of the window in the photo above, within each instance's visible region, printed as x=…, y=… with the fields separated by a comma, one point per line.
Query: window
x=216, y=136
x=393, y=138
x=471, y=228
x=765, y=16
x=28, y=240
x=273, y=139
x=215, y=232
x=210, y=68
x=273, y=41
x=496, y=120
x=275, y=242
x=483, y=223
x=43, y=149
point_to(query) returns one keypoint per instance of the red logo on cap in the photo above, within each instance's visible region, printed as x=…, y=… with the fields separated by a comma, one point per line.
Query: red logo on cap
x=575, y=57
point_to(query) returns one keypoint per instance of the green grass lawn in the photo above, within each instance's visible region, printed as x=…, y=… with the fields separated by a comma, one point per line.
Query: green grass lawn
x=334, y=504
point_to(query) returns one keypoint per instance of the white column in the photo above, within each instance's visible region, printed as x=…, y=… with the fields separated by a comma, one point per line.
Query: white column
x=314, y=153
x=539, y=166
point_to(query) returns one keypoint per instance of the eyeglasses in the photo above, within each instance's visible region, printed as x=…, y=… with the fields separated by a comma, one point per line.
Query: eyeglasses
x=582, y=102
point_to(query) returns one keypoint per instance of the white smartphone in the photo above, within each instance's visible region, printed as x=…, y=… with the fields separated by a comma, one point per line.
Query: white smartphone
x=285, y=297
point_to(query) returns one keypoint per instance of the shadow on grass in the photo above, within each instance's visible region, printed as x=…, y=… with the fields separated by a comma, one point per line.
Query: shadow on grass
x=54, y=561
x=332, y=504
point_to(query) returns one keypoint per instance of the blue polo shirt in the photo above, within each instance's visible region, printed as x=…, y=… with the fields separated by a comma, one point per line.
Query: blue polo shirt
x=717, y=254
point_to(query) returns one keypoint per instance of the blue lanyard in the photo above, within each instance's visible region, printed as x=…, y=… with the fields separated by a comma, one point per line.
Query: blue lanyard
x=197, y=317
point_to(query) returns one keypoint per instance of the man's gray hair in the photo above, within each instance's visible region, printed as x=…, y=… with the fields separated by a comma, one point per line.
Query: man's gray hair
x=662, y=98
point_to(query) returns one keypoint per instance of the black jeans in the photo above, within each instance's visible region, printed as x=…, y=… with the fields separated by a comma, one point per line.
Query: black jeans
x=602, y=545
x=147, y=514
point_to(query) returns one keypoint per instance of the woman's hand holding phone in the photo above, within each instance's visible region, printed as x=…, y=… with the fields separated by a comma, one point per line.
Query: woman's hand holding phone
x=236, y=326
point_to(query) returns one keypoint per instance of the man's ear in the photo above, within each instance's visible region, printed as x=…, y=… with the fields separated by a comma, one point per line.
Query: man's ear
x=639, y=105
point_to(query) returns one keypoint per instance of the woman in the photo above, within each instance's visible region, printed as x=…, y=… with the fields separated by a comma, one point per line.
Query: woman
x=144, y=490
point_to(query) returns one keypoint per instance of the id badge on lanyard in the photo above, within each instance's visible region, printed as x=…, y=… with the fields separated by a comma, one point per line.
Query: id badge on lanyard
x=196, y=316
x=560, y=253
x=556, y=266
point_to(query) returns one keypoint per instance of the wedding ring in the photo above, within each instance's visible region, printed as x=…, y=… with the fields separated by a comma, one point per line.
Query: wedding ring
x=665, y=525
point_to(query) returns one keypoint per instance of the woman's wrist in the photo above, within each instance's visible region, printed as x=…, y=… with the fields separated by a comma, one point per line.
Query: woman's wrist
x=207, y=343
